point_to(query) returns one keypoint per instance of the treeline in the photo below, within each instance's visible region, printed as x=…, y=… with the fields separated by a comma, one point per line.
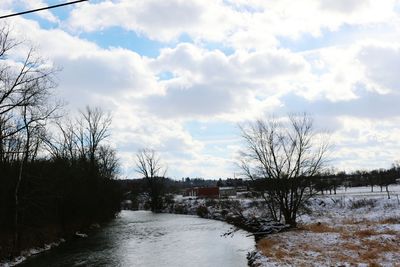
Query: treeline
x=381, y=178
x=56, y=175
x=329, y=182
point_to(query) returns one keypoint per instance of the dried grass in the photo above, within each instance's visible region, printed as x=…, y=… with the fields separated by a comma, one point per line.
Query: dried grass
x=389, y=232
x=320, y=228
x=358, y=243
x=368, y=255
x=354, y=221
x=391, y=220
x=281, y=254
x=352, y=246
x=365, y=233
x=266, y=245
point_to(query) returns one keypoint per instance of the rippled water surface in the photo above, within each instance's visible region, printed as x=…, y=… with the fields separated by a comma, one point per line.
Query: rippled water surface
x=141, y=238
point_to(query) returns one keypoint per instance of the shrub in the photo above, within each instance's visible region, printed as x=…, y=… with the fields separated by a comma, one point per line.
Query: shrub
x=362, y=203
x=211, y=202
x=202, y=211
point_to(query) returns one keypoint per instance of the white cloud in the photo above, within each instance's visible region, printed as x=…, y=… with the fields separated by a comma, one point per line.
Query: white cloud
x=89, y=74
x=366, y=143
x=210, y=84
x=239, y=24
x=351, y=88
x=159, y=20
x=343, y=6
x=381, y=62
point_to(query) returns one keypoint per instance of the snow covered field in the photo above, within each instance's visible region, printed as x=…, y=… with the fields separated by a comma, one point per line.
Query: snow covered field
x=352, y=228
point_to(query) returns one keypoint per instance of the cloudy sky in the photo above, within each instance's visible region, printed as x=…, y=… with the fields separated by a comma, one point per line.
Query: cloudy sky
x=180, y=75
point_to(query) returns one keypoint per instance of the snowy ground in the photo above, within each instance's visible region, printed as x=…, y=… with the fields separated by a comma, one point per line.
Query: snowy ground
x=352, y=228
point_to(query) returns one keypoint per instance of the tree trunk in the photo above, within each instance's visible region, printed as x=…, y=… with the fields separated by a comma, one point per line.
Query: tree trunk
x=16, y=245
x=387, y=191
x=24, y=160
x=290, y=218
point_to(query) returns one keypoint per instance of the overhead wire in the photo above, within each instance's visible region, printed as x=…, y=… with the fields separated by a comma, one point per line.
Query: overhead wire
x=40, y=9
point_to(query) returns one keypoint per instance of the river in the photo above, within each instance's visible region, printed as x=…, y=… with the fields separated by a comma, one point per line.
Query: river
x=142, y=238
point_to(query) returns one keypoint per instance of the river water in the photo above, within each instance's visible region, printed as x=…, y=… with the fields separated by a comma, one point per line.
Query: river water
x=142, y=238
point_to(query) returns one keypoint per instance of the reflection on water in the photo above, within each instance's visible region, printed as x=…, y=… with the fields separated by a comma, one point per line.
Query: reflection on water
x=141, y=238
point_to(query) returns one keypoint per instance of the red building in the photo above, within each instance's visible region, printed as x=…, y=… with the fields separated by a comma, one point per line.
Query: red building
x=203, y=192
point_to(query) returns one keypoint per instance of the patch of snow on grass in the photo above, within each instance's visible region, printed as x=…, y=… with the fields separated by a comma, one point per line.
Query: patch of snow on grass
x=352, y=228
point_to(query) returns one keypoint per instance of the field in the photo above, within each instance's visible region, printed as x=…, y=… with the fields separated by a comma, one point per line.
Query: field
x=352, y=228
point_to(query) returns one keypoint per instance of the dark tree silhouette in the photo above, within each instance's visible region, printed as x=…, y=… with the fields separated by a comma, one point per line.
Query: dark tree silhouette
x=53, y=180
x=286, y=155
x=148, y=164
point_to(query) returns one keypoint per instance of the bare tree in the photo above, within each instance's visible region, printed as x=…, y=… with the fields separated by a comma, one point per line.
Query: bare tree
x=25, y=87
x=84, y=139
x=25, y=107
x=93, y=130
x=148, y=164
x=63, y=144
x=108, y=162
x=285, y=155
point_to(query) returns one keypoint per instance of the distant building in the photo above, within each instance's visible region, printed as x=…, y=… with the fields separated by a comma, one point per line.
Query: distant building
x=203, y=192
x=227, y=191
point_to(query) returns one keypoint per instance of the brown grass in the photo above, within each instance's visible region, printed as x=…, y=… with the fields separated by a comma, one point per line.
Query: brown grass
x=380, y=247
x=369, y=255
x=281, y=254
x=266, y=245
x=353, y=221
x=346, y=235
x=390, y=220
x=365, y=233
x=320, y=228
x=390, y=232
x=358, y=242
x=352, y=246
x=360, y=249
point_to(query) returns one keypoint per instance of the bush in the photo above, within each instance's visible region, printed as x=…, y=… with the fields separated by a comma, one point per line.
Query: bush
x=202, y=211
x=211, y=202
x=357, y=204
x=180, y=209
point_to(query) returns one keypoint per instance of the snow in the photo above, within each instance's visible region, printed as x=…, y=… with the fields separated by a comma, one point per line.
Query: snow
x=81, y=235
x=352, y=228
x=30, y=252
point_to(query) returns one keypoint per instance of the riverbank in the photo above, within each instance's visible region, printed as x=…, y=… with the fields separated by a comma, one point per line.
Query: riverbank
x=247, y=214
x=25, y=254
x=41, y=240
x=348, y=229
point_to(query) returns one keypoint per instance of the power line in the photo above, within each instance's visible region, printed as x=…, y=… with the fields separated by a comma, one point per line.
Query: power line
x=43, y=8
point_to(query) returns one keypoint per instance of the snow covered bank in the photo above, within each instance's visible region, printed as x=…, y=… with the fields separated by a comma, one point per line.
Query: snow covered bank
x=352, y=228
x=25, y=254
x=246, y=214
x=355, y=227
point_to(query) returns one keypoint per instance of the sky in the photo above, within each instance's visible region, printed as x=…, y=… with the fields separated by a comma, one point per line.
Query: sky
x=179, y=76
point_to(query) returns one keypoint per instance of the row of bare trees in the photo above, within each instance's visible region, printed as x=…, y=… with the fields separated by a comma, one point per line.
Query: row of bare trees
x=53, y=171
x=25, y=108
x=82, y=139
